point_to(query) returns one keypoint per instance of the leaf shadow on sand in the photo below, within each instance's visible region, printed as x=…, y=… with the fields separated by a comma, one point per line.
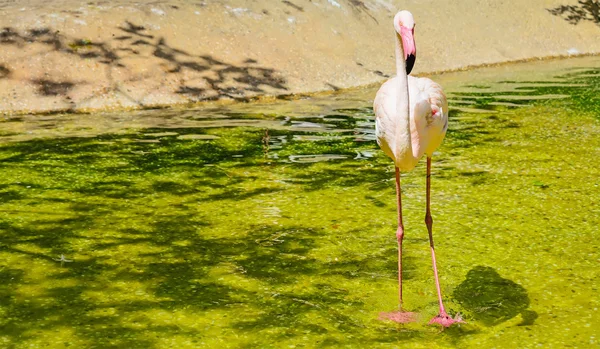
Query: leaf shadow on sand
x=585, y=11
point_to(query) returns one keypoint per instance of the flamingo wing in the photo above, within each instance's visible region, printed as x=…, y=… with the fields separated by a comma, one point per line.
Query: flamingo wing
x=429, y=114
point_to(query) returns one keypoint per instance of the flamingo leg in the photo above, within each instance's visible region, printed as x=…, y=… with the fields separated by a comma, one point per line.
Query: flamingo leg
x=399, y=235
x=399, y=316
x=442, y=318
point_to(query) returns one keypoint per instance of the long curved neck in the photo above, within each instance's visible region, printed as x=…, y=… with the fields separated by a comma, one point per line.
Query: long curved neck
x=403, y=141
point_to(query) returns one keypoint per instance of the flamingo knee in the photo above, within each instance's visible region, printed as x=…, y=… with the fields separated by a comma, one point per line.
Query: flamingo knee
x=428, y=220
x=400, y=234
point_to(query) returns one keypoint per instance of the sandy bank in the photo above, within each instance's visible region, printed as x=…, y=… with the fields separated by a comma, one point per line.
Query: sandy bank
x=70, y=55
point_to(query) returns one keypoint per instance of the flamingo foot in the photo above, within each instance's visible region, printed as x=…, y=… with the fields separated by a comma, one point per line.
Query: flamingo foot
x=399, y=316
x=446, y=320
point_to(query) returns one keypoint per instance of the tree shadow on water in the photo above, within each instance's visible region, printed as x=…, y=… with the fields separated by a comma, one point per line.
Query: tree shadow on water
x=492, y=299
x=101, y=203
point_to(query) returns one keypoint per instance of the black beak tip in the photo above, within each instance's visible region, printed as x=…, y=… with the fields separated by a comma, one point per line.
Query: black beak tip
x=410, y=63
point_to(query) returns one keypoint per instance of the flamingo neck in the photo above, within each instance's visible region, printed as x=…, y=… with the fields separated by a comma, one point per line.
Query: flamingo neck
x=403, y=139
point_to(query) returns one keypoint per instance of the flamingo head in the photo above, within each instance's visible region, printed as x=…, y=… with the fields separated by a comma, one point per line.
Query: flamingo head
x=404, y=23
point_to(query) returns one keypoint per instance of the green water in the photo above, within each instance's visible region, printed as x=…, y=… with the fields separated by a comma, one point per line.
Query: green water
x=272, y=225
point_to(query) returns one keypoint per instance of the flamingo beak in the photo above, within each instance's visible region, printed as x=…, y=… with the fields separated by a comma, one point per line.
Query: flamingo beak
x=410, y=49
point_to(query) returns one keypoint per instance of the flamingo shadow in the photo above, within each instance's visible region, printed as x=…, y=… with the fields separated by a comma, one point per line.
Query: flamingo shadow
x=492, y=299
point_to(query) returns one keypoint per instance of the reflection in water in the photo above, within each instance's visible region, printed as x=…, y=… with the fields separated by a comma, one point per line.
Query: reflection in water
x=315, y=158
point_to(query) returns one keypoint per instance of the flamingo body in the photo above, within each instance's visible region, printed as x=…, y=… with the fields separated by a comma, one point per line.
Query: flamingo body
x=428, y=120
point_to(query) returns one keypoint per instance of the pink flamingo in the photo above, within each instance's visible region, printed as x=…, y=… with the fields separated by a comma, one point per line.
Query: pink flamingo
x=411, y=120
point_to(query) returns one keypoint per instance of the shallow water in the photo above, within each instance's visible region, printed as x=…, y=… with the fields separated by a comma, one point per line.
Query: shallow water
x=272, y=225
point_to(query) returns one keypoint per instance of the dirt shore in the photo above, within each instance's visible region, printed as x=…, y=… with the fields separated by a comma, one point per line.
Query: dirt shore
x=67, y=55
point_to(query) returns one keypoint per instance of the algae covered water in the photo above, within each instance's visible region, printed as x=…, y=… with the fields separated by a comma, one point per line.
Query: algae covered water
x=272, y=225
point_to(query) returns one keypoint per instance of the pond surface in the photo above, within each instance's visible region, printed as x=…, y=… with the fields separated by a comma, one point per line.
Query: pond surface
x=272, y=225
